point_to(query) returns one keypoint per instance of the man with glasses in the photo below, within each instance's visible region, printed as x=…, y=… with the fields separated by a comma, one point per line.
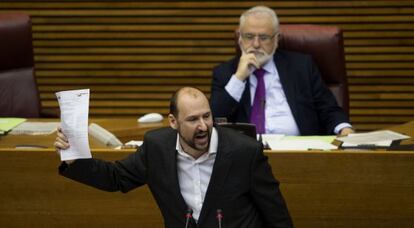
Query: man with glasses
x=279, y=91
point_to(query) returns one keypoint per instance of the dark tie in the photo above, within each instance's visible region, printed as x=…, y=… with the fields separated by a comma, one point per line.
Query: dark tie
x=257, y=114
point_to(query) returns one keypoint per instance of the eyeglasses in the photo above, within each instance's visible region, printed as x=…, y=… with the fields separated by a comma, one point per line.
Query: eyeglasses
x=250, y=37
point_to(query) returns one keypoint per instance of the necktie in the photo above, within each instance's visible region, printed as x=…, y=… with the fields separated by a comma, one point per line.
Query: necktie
x=257, y=114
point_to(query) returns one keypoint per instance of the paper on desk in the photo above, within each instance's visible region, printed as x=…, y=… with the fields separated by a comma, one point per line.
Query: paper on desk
x=377, y=138
x=303, y=143
x=324, y=138
x=35, y=128
x=6, y=124
x=384, y=143
x=270, y=137
x=74, y=110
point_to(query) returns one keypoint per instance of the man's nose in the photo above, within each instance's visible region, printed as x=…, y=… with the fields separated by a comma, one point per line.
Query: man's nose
x=256, y=42
x=203, y=125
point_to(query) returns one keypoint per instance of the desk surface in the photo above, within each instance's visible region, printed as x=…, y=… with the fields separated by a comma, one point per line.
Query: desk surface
x=125, y=129
x=128, y=129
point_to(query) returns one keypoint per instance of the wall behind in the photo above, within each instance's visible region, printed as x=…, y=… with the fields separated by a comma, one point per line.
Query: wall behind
x=133, y=55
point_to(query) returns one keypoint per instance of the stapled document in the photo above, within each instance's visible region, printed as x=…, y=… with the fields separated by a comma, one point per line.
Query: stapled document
x=74, y=110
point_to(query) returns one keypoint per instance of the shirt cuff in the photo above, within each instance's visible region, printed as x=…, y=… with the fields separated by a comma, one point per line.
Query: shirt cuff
x=340, y=126
x=235, y=88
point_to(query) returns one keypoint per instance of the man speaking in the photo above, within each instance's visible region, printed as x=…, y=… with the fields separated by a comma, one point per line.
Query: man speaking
x=200, y=175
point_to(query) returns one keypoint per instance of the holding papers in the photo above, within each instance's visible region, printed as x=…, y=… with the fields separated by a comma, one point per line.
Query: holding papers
x=74, y=110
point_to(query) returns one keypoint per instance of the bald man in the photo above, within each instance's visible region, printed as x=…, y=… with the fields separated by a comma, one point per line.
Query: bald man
x=193, y=166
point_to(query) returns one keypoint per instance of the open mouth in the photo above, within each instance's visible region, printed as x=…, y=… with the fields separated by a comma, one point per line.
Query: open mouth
x=201, y=138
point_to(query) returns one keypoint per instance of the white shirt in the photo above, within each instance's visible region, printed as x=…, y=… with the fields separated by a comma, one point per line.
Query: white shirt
x=194, y=175
x=278, y=115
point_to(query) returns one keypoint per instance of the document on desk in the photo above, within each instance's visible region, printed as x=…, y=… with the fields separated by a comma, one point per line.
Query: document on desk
x=35, y=128
x=301, y=143
x=375, y=138
x=7, y=124
x=74, y=111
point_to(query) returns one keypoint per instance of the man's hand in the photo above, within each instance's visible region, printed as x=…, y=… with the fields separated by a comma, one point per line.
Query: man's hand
x=246, y=63
x=61, y=143
x=345, y=131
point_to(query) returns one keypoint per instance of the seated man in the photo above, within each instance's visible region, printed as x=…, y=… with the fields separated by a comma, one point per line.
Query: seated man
x=193, y=168
x=281, y=92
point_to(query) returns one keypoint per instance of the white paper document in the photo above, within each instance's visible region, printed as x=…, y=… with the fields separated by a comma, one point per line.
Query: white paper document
x=376, y=138
x=281, y=142
x=301, y=144
x=74, y=111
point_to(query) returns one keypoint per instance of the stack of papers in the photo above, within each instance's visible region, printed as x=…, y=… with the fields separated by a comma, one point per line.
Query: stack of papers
x=35, y=128
x=281, y=142
x=382, y=138
x=6, y=124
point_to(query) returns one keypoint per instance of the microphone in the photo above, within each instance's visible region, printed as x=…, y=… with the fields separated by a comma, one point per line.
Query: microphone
x=188, y=216
x=219, y=217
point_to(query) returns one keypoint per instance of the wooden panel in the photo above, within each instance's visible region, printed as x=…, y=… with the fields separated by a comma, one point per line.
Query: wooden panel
x=133, y=54
x=322, y=189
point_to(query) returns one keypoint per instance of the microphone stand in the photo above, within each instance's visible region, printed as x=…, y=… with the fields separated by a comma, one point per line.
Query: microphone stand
x=188, y=216
x=219, y=217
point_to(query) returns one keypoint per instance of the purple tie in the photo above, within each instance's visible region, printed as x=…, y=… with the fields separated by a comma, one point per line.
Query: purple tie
x=257, y=114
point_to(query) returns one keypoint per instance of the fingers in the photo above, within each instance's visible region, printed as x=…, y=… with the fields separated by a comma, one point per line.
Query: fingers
x=252, y=60
x=345, y=131
x=61, y=142
x=247, y=62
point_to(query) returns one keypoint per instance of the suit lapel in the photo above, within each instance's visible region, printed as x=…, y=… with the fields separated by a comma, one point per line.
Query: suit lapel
x=288, y=83
x=221, y=168
x=171, y=171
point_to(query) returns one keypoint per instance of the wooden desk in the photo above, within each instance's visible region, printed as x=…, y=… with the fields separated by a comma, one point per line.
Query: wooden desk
x=322, y=189
x=125, y=129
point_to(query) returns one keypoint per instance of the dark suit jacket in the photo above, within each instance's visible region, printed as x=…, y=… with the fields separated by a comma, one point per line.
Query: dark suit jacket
x=313, y=105
x=241, y=184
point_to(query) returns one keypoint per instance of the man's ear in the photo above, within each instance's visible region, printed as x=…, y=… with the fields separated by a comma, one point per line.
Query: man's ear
x=277, y=37
x=172, y=121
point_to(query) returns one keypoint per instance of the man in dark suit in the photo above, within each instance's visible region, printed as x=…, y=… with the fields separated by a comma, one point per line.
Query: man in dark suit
x=220, y=175
x=280, y=91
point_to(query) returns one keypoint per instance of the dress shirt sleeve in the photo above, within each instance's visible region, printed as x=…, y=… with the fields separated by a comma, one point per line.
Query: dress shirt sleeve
x=340, y=126
x=235, y=88
x=225, y=95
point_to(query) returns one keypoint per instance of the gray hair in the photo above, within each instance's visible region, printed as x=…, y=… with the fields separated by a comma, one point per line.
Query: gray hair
x=260, y=10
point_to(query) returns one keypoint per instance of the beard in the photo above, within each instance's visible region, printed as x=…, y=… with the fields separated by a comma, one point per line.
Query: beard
x=262, y=56
x=200, y=140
